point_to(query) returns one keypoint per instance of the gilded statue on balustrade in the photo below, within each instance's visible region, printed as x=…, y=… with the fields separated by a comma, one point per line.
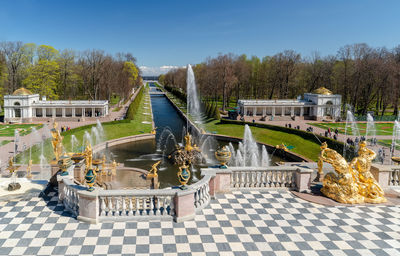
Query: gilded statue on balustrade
x=353, y=182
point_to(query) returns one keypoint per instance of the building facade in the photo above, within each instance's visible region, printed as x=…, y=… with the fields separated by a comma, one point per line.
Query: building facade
x=24, y=106
x=320, y=104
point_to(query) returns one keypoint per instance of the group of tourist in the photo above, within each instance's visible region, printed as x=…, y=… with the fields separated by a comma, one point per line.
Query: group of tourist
x=332, y=134
x=65, y=128
x=289, y=125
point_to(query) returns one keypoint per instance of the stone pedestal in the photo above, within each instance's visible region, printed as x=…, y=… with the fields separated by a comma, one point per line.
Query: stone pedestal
x=61, y=185
x=303, y=180
x=89, y=206
x=184, y=206
x=382, y=174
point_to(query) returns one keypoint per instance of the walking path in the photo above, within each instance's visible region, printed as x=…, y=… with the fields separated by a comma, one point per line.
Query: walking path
x=268, y=222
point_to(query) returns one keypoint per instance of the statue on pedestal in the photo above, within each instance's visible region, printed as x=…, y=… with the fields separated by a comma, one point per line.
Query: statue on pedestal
x=56, y=141
x=353, y=183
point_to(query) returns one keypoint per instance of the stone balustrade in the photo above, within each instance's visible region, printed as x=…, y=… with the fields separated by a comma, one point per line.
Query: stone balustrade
x=71, y=197
x=202, y=192
x=394, y=179
x=116, y=205
x=386, y=175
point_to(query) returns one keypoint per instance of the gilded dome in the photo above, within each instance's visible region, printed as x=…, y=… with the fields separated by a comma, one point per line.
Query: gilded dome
x=22, y=91
x=322, y=90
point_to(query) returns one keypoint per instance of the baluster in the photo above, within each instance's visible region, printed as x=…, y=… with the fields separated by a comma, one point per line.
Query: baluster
x=203, y=195
x=110, y=206
x=279, y=179
x=208, y=191
x=123, y=212
x=118, y=206
x=275, y=178
x=237, y=175
x=151, y=202
x=137, y=212
x=283, y=179
x=158, y=205
x=130, y=206
x=267, y=178
x=164, y=205
x=102, y=207
x=293, y=179
x=259, y=179
x=264, y=179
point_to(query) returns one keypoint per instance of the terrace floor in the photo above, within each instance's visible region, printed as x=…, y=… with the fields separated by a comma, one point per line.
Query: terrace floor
x=270, y=222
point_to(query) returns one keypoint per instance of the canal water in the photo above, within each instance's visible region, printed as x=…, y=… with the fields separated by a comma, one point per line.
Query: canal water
x=143, y=154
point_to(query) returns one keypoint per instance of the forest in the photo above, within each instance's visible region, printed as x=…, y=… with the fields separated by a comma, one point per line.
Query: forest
x=66, y=74
x=368, y=78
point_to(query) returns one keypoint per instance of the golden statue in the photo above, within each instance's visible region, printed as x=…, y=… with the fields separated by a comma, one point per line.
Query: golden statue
x=56, y=141
x=114, y=168
x=320, y=163
x=11, y=167
x=29, y=170
x=188, y=142
x=367, y=185
x=353, y=183
x=153, y=171
x=88, y=156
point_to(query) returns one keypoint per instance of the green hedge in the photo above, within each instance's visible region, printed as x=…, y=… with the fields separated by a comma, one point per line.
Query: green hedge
x=333, y=144
x=134, y=106
x=178, y=93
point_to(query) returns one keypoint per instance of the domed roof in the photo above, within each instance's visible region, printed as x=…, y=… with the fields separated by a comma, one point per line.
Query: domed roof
x=322, y=90
x=22, y=91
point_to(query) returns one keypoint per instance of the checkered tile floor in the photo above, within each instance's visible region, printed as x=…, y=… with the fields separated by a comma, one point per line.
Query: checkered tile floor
x=242, y=223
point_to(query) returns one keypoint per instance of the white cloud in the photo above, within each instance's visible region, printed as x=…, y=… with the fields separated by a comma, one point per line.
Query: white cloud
x=155, y=71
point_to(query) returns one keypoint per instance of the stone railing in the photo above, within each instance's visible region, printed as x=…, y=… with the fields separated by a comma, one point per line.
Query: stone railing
x=259, y=177
x=386, y=175
x=116, y=205
x=180, y=205
x=202, y=195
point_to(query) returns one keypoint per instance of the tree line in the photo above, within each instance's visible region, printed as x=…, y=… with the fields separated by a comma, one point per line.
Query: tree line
x=367, y=78
x=66, y=74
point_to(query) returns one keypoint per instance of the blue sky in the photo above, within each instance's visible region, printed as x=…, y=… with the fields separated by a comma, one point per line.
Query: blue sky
x=174, y=33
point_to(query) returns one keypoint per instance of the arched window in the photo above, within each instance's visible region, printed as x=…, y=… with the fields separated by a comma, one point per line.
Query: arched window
x=17, y=110
x=329, y=108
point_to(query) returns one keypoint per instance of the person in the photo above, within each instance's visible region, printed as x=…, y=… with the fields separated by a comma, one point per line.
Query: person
x=290, y=125
x=336, y=131
x=254, y=120
x=286, y=125
x=334, y=137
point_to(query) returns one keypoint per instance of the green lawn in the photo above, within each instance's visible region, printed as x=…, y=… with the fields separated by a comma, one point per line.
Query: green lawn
x=381, y=128
x=387, y=143
x=8, y=130
x=112, y=130
x=301, y=146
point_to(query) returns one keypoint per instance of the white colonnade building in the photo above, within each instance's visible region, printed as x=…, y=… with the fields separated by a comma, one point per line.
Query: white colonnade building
x=320, y=104
x=24, y=106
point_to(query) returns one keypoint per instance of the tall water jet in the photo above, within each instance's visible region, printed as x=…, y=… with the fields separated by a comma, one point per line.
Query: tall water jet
x=239, y=159
x=350, y=124
x=193, y=101
x=396, y=135
x=74, y=142
x=264, y=157
x=95, y=135
x=371, y=128
x=100, y=129
x=87, y=138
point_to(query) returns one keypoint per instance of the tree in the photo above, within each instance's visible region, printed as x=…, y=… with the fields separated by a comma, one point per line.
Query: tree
x=42, y=78
x=15, y=56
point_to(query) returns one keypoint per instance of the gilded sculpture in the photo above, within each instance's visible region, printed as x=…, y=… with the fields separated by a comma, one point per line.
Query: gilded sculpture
x=56, y=141
x=153, y=171
x=353, y=182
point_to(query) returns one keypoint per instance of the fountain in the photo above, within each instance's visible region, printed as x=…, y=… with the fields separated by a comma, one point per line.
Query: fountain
x=248, y=152
x=371, y=128
x=74, y=141
x=193, y=101
x=350, y=124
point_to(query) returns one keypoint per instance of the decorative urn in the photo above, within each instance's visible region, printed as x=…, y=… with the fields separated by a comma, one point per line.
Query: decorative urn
x=64, y=163
x=183, y=174
x=223, y=156
x=90, y=178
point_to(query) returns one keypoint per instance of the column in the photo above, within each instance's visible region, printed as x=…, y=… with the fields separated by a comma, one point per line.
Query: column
x=254, y=111
x=244, y=111
x=53, y=112
x=63, y=112
x=292, y=111
x=73, y=112
x=93, y=112
x=273, y=111
x=264, y=111
x=33, y=112
x=283, y=111
x=302, y=111
x=83, y=112
x=43, y=112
